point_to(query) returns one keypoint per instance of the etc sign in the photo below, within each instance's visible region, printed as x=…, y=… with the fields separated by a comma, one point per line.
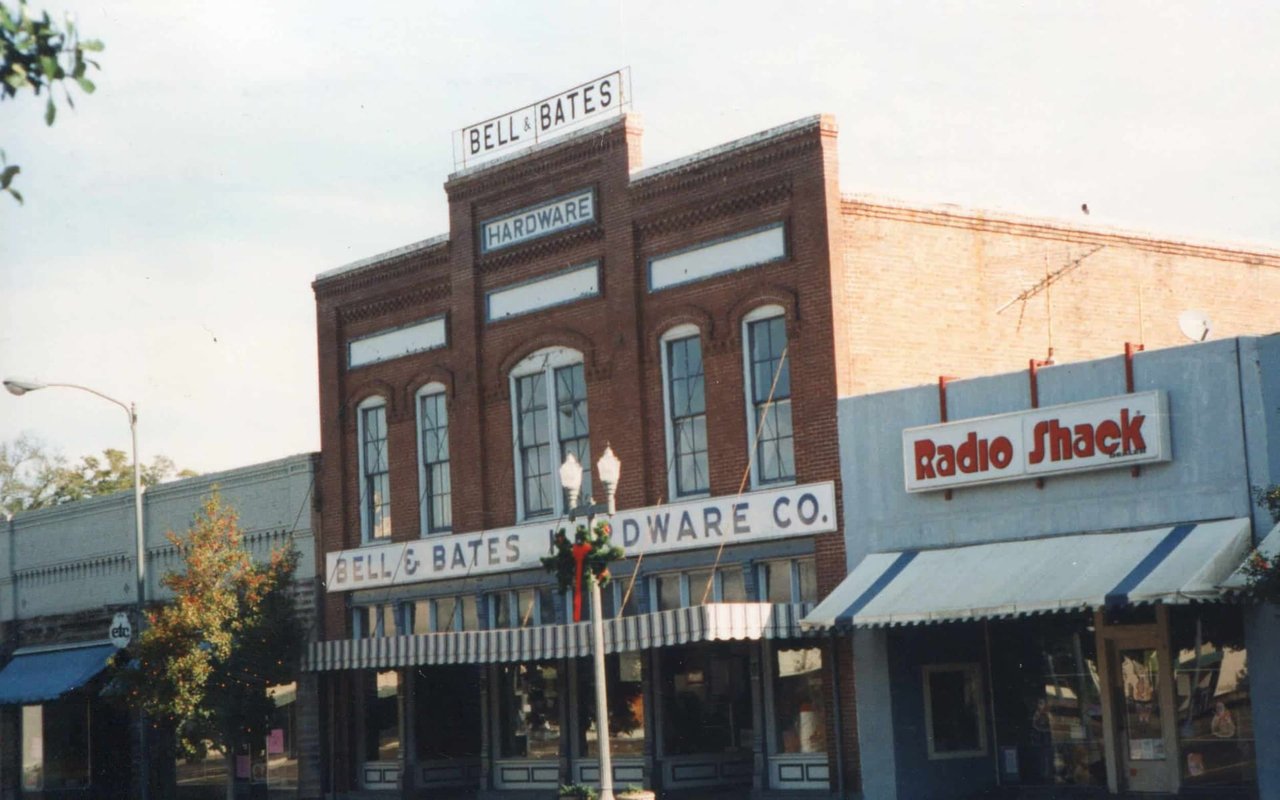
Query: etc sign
x=1096, y=434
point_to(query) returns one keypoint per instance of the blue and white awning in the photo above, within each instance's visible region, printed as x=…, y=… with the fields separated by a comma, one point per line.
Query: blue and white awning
x=1183, y=563
x=1269, y=547
x=712, y=622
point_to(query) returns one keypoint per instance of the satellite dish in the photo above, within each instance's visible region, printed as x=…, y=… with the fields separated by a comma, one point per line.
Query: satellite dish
x=1195, y=325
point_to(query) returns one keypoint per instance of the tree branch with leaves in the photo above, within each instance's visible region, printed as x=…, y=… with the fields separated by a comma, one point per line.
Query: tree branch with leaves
x=36, y=55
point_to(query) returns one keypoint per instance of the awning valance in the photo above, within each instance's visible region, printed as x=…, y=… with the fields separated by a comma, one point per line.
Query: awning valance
x=34, y=676
x=712, y=622
x=1181, y=563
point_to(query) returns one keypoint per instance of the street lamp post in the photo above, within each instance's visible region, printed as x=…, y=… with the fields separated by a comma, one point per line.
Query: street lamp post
x=608, y=468
x=18, y=388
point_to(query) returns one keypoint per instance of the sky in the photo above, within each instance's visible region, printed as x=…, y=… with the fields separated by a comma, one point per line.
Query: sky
x=175, y=219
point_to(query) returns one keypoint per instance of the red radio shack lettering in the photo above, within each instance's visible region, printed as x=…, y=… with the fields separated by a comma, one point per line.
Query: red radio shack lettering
x=972, y=456
x=1057, y=442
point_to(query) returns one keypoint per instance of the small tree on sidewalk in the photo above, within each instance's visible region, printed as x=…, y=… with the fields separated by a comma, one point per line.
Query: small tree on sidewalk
x=205, y=660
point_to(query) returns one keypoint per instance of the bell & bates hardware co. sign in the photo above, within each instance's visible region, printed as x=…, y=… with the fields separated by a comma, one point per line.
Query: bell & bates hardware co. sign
x=1095, y=434
x=709, y=522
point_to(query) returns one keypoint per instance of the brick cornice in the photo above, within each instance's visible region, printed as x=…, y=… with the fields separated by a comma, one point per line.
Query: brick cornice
x=761, y=195
x=578, y=155
x=399, y=301
x=376, y=274
x=726, y=164
x=542, y=247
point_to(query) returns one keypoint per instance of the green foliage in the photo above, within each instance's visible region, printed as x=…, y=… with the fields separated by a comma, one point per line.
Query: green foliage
x=204, y=662
x=1262, y=572
x=579, y=791
x=596, y=563
x=36, y=55
x=32, y=477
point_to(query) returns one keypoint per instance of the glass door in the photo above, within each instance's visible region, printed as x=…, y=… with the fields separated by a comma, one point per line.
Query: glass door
x=1142, y=715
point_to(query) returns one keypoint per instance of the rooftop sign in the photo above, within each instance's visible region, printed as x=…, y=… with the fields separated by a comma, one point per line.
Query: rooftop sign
x=1096, y=434
x=542, y=120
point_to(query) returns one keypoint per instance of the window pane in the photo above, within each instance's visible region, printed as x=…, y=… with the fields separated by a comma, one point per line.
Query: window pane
x=387, y=620
x=733, y=588
x=546, y=612
x=422, y=616
x=437, y=497
x=382, y=716
x=808, y=569
x=798, y=701
x=954, y=710
x=447, y=692
x=1211, y=679
x=375, y=500
x=770, y=376
x=445, y=613
x=687, y=400
x=706, y=700
x=535, y=445
x=32, y=747
x=625, y=691
x=571, y=405
x=529, y=718
x=668, y=591
x=470, y=617
x=776, y=582
x=698, y=587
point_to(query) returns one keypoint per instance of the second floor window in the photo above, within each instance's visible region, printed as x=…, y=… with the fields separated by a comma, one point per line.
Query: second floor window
x=375, y=482
x=686, y=406
x=769, y=397
x=435, y=485
x=550, y=398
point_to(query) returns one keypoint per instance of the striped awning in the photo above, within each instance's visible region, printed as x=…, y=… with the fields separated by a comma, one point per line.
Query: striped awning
x=712, y=622
x=1178, y=564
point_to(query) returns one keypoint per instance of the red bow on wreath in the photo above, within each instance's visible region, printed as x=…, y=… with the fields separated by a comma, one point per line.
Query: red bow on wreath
x=590, y=552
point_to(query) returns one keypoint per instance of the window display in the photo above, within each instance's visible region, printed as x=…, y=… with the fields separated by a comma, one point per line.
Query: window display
x=55, y=745
x=625, y=691
x=954, y=711
x=799, y=711
x=529, y=722
x=706, y=700
x=447, y=707
x=382, y=716
x=1211, y=697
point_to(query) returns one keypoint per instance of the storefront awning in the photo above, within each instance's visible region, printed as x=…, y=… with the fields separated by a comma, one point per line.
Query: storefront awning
x=36, y=675
x=1063, y=573
x=713, y=622
x=1269, y=547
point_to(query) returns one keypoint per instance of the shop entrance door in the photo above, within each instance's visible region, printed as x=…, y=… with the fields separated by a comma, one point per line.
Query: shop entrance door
x=1142, y=712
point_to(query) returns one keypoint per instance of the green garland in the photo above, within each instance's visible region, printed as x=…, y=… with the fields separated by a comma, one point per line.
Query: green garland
x=596, y=564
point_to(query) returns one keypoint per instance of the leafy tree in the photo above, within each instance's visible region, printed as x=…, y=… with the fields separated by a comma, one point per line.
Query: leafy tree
x=205, y=660
x=32, y=477
x=36, y=54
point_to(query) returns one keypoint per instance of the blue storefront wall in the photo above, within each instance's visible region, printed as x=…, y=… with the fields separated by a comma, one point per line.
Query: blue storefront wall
x=1224, y=407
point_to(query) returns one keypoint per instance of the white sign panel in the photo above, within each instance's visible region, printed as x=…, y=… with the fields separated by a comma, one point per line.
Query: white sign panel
x=121, y=631
x=534, y=222
x=386, y=345
x=544, y=119
x=553, y=290
x=1095, y=434
x=755, y=516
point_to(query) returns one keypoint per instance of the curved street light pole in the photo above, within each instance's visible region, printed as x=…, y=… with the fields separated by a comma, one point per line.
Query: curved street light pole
x=18, y=388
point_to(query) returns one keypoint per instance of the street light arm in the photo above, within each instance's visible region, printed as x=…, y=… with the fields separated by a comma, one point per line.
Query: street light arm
x=128, y=408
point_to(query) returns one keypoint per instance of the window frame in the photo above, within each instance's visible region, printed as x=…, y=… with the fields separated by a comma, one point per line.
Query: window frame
x=972, y=670
x=546, y=361
x=362, y=502
x=435, y=388
x=763, y=314
x=670, y=336
x=794, y=566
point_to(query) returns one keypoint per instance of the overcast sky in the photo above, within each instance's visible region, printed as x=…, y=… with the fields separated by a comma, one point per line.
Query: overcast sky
x=174, y=221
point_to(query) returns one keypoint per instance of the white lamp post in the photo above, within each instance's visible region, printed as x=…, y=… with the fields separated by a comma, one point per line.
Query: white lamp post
x=608, y=468
x=18, y=388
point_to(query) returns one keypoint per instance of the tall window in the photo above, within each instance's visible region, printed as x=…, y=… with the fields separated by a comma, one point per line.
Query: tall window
x=375, y=482
x=434, y=484
x=769, y=397
x=686, y=405
x=550, y=394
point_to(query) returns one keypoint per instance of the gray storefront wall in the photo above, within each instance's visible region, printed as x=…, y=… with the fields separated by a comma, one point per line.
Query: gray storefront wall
x=1224, y=411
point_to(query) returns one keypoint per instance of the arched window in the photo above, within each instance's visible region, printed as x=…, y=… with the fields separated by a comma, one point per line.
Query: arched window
x=375, y=480
x=768, y=388
x=685, y=400
x=549, y=416
x=435, y=485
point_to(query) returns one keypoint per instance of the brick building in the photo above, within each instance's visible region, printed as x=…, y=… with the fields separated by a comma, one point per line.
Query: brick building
x=701, y=317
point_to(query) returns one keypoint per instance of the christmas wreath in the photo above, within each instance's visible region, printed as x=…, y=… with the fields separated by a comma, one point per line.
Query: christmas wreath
x=589, y=552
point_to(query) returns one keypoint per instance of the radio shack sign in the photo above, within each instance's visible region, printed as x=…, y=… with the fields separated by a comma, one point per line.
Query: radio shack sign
x=544, y=119
x=1097, y=434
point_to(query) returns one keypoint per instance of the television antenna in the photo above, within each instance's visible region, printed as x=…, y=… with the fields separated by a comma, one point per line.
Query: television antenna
x=1195, y=325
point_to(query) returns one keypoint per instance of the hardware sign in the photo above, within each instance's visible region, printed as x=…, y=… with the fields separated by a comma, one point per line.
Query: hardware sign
x=537, y=221
x=544, y=119
x=710, y=522
x=1095, y=434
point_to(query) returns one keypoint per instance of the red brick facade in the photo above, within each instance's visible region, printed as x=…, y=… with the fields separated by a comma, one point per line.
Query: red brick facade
x=875, y=295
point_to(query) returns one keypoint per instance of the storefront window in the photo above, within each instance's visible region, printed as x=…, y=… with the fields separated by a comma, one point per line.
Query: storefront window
x=55, y=745
x=382, y=716
x=1047, y=701
x=793, y=581
x=625, y=689
x=620, y=591
x=522, y=608
x=733, y=588
x=706, y=700
x=529, y=710
x=954, y=711
x=447, y=706
x=1211, y=684
x=797, y=701
x=282, y=746
x=668, y=591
